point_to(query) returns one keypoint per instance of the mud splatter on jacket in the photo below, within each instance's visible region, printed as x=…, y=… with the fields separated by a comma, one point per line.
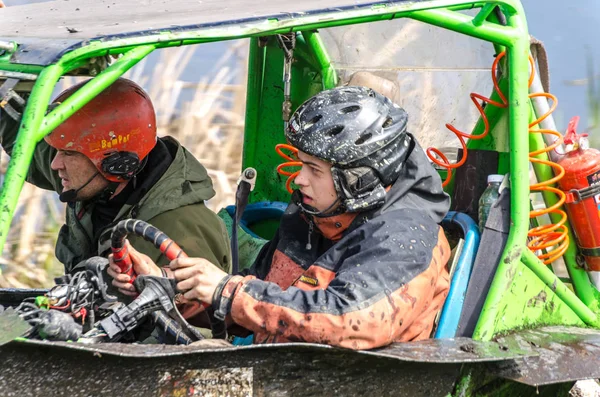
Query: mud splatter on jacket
x=368, y=279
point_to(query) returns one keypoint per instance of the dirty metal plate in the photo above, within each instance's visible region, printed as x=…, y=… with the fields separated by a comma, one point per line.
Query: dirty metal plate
x=565, y=354
x=292, y=370
x=12, y=326
x=275, y=372
x=233, y=382
x=134, y=350
x=455, y=350
x=86, y=19
x=442, y=351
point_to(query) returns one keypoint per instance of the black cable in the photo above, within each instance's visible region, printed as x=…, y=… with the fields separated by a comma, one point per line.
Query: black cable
x=241, y=200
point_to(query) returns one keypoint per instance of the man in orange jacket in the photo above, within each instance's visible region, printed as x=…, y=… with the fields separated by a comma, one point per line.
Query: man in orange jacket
x=359, y=259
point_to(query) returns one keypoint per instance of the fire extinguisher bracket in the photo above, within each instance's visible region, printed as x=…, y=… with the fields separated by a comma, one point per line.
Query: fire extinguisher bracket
x=575, y=196
x=590, y=251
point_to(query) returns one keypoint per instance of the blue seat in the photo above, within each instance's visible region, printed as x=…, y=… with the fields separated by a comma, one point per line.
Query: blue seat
x=256, y=212
x=260, y=211
x=452, y=309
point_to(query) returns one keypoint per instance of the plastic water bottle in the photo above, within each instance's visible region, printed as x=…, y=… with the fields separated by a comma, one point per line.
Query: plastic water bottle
x=488, y=198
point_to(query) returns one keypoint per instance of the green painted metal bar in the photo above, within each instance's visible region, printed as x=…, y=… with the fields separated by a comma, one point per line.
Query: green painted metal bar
x=518, y=61
x=493, y=113
x=518, y=49
x=91, y=89
x=563, y=292
x=306, y=54
x=25, y=146
x=222, y=33
x=483, y=15
x=464, y=24
x=17, y=67
x=581, y=282
x=328, y=73
x=256, y=60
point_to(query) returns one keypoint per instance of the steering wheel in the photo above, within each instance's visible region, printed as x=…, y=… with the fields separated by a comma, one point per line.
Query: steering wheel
x=166, y=245
x=149, y=233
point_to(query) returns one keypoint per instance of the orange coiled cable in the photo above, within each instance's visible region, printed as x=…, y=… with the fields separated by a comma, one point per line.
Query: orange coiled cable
x=292, y=162
x=551, y=237
x=433, y=152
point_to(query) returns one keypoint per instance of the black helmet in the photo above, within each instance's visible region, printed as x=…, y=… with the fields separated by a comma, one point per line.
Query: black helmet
x=362, y=133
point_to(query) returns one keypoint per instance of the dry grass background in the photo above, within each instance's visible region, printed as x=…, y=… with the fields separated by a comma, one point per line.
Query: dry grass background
x=210, y=125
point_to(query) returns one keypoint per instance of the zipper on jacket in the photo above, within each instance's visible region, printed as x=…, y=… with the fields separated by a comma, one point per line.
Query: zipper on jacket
x=310, y=230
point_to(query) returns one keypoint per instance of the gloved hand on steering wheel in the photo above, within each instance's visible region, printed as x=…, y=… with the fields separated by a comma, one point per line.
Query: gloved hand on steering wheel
x=197, y=277
x=142, y=265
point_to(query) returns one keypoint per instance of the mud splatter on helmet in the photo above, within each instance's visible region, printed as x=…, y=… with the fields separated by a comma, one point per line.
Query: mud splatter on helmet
x=361, y=133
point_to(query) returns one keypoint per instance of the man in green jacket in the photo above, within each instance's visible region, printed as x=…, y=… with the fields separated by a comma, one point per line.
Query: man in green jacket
x=107, y=164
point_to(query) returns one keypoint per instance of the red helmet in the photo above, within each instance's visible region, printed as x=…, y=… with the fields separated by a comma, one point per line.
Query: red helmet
x=116, y=130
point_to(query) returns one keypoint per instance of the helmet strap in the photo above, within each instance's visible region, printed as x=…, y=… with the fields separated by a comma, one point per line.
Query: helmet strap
x=140, y=168
x=71, y=195
x=321, y=214
x=312, y=211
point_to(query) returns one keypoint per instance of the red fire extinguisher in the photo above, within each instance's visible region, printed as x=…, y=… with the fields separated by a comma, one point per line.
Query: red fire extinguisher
x=581, y=184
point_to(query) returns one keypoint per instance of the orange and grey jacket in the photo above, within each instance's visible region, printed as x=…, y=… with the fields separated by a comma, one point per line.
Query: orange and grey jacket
x=365, y=280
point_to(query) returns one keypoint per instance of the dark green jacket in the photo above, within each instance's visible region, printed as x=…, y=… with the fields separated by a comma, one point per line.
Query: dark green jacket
x=174, y=204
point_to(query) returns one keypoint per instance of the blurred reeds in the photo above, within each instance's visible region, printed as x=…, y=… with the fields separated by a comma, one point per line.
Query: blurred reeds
x=206, y=116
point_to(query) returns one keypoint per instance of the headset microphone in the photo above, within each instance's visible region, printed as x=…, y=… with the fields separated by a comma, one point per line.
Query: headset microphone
x=71, y=194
